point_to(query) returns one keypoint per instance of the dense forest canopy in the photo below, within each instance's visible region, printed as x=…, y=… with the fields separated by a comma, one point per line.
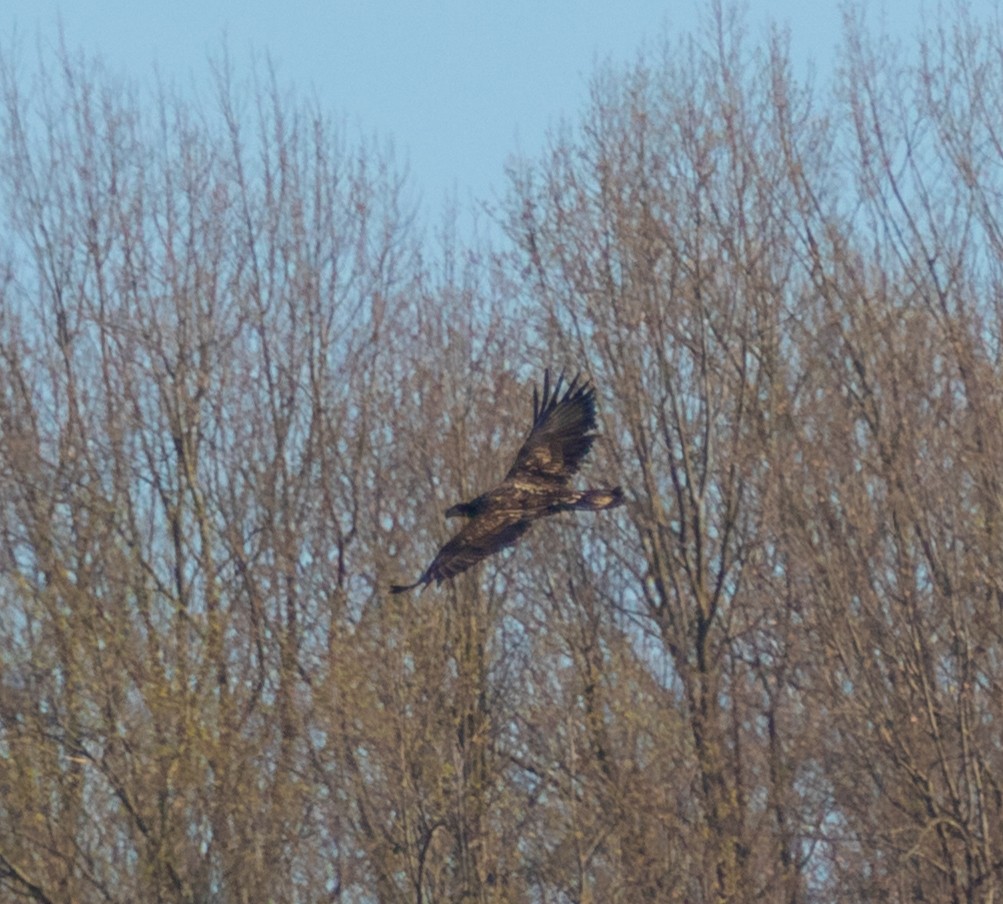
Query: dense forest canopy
x=239, y=384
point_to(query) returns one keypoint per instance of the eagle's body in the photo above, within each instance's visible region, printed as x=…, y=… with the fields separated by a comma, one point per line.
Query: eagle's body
x=537, y=484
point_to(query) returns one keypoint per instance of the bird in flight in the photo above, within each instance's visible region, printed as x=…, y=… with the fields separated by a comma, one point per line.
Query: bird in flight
x=537, y=485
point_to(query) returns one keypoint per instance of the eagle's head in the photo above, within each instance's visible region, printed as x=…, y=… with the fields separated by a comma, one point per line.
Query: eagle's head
x=466, y=509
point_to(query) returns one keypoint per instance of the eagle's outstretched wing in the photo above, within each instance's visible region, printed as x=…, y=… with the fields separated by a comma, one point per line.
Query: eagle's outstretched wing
x=537, y=484
x=480, y=538
x=560, y=437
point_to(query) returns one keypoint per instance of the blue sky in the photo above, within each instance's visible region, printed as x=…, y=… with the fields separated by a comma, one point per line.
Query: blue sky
x=457, y=85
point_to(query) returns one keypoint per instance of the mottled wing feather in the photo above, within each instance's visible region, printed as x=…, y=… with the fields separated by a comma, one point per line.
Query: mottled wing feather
x=481, y=538
x=560, y=437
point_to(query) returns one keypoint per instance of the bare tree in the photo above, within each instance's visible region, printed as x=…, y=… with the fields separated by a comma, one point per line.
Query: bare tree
x=789, y=318
x=239, y=387
x=190, y=322
x=897, y=515
x=657, y=247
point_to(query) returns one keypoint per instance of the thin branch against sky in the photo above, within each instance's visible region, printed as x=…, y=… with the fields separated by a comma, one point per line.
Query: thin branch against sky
x=458, y=87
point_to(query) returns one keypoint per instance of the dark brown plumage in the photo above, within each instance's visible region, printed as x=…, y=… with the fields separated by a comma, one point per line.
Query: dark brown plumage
x=538, y=483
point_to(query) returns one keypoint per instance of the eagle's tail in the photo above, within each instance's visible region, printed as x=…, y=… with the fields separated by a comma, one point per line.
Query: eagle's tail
x=597, y=500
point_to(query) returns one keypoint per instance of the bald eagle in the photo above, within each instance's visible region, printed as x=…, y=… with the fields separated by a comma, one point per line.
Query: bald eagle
x=538, y=483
